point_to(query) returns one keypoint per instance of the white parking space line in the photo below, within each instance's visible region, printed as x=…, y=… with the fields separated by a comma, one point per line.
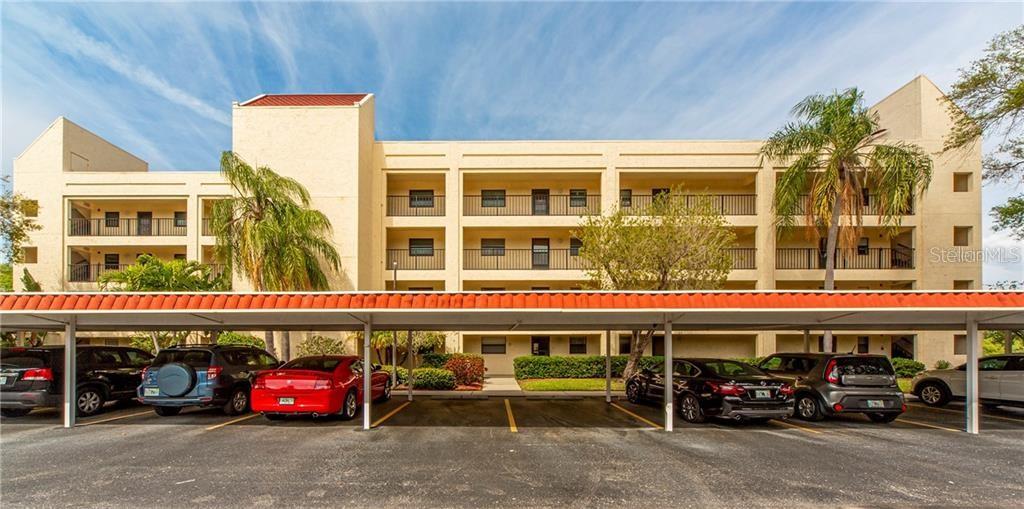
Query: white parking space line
x=109, y=419
x=796, y=426
x=926, y=425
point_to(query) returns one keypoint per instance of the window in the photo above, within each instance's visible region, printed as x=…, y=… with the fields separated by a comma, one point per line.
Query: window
x=578, y=345
x=862, y=246
x=625, y=344
x=421, y=198
x=865, y=196
x=421, y=288
x=577, y=197
x=863, y=344
x=540, y=345
x=492, y=198
x=993, y=364
x=658, y=191
x=137, y=358
x=540, y=288
x=492, y=345
x=961, y=182
x=179, y=256
x=492, y=289
x=964, y=284
x=960, y=344
x=266, y=360
x=30, y=208
x=324, y=364
x=112, y=261
x=771, y=364
x=821, y=344
x=180, y=219
x=421, y=247
x=961, y=236
x=111, y=219
x=658, y=345
x=574, y=246
x=625, y=198
x=492, y=247
x=683, y=368
x=30, y=254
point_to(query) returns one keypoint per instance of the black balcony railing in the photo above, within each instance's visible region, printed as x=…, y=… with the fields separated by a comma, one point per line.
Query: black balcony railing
x=531, y=205
x=413, y=205
x=743, y=257
x=521, y=259
x=416, y=259
x=725, y=204
x=156, y=227
x=86, y=273
x=847, y=258
x=870, y=207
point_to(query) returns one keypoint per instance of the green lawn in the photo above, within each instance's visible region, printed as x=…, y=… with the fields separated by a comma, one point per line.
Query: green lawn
x=568, y=384
x=904, y=384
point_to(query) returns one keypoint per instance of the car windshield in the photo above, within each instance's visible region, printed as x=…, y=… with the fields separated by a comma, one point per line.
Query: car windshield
x=731, y=368
x=314, y=363
x=12, y=359
x=864, y=366
x=194, y=358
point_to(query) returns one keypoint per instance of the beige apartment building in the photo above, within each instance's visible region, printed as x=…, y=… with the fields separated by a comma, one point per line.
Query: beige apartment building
x=500, y=215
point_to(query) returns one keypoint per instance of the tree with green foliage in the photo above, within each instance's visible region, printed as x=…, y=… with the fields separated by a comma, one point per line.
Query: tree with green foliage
x=6, y=277
x=29, y=283
x=671, y=244
x=16, y=222
x=382, y=341
x=237, y=338
x=322, y=345
x=988, y=100
x=833, y=152
x=270, y=234
x=151, y=274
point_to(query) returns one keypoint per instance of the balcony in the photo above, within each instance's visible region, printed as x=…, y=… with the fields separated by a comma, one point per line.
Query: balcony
x=531, y=205
x=876, y=258
x=416, y=259
x=743, y=258
x=870, y=207
x=85, y=273
x=415, y=206
x=561, y=259
x=207, y=227
x=725, y=204
x=156, y=227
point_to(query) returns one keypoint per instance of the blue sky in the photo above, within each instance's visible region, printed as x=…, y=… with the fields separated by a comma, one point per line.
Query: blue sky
x=159, y=79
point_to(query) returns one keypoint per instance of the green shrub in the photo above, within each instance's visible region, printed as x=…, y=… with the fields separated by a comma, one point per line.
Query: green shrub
x=942, y=364
x=433, y=379
x=468, y=368
x=748, y=360
x=906, y=367
x=435, y=360
x=403, y=374
x=235, y=338
x=321, y=345
x=575, y=366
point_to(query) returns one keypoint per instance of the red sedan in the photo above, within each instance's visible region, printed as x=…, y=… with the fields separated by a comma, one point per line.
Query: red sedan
x=324, y=385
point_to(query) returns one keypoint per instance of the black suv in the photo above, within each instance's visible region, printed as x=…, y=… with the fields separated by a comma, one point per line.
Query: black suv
x=203, y=375
x=32, y=377
x=716, y=388
x=834, y=383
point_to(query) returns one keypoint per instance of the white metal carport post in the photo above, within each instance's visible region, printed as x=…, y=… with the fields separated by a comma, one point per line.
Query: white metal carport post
x=70, y=373
x=608, y=366
x=367, y=373
x=973, y=347
x=669, y=387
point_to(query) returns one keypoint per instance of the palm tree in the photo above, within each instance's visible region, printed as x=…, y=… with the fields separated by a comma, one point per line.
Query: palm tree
x=268, y=231
x=834, y=150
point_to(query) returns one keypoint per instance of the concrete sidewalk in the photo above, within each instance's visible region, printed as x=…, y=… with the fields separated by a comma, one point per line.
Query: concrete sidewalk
x=507, y=387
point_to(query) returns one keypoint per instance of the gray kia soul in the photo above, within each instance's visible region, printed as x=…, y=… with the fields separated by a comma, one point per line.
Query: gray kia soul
x=832, y=383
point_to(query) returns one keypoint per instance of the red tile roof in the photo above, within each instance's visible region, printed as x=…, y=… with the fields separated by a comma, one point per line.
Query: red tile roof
x=507, y=300
x=305, y=100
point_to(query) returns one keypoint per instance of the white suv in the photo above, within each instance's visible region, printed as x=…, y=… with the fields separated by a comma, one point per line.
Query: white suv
x=1000, y=382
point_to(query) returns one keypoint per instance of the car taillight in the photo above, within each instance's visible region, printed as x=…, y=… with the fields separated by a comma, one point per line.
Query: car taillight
x=832, y=372
x=213, y=372
x=38, y=374
x=727, y=389
x=786, y=390
x=145, y=371
x=260, y=383
x=321, y=385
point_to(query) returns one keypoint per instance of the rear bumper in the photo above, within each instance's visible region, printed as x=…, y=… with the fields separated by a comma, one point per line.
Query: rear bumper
x=773, y=410
x=178, y=401
x=29, y=399
x=858, y=402
x=320, y=402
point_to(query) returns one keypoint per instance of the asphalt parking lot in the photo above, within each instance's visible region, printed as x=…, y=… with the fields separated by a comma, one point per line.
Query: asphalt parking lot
x=508, y=452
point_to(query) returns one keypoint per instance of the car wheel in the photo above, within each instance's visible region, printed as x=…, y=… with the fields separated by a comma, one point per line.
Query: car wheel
x=633, y=392
x=88, y=401
x=386, y=395
x=933, y=394
x=273, y=417
x=238, y=403
x=167, y=411
x=350, y=406
x=882, y=418
x=808, y=408
x=14, y=412
x=689, y=409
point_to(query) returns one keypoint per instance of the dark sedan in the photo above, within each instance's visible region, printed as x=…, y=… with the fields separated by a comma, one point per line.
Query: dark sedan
x=716, y=388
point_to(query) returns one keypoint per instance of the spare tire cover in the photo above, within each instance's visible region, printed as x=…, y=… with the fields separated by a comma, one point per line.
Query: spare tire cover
x=175, y=379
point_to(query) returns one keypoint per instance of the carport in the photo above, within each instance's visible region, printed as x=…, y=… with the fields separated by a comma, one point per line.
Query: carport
x=968, y=311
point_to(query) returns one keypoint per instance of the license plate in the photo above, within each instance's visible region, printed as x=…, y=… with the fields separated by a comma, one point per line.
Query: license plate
x=762, y=394
x=151, y=391
x=3, y=380
x=285, y=401
x=876, y=403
